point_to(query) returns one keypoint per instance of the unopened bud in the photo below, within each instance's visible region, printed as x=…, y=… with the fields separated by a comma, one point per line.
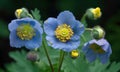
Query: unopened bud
x=98, y=32
x=33, y=56
x=94, y=13
x=22, y=13
x=74, y=54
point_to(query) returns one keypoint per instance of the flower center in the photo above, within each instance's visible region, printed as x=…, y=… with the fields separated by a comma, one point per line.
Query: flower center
x=96, y=48
x=63, y=32
x=25, y=32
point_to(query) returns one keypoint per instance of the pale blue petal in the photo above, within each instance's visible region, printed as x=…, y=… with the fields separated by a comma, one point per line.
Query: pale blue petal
x=15, y=41
x=38, y=26
x=13, y=25
x=35, y=42
x=50, y=26
x=85, y=47
x=103, y=58
x=66, y=17
x=78, y=27
x=67, y=46
x=26, y=21
x=90, y=55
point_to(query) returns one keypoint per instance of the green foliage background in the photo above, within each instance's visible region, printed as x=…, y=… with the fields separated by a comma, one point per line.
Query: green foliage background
x=109, y=20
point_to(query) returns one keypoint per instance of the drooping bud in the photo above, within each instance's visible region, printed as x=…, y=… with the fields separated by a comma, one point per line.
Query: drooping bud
x=94, y=13
x=74, y=53
x=98, y=32
x=22, y=13
x=32, y=56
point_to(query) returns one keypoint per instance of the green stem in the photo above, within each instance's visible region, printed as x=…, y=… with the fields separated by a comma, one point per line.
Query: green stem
x=83, y=37
x=61, y=60
x=83, y=20
x=48, y=56
x=89, y=29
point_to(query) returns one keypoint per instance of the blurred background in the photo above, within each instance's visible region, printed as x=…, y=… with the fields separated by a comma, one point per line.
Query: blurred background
x=110, y=19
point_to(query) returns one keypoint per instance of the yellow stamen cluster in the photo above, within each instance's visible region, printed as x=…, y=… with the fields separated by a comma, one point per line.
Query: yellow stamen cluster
x=25, y=32
x=63, y=32
x=96, y=12
x=96, y=48
x=18, y=12
x=74, y=53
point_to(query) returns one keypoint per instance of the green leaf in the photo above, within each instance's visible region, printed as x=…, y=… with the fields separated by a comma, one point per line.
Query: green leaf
x=36, y=15
x=21, y=64
x=75, y=65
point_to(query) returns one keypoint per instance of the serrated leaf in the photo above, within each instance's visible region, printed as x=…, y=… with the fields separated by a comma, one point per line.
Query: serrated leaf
x=36, y=15
x=21, y=64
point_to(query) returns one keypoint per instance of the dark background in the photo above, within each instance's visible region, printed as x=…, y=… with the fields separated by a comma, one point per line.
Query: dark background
x=110, y=19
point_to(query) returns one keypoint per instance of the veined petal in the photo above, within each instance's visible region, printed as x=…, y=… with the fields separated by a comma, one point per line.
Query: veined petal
x=15, y=41
x=103, y=58
x=50, y=26
x=90, y=55
x=68, y=46
x=35, y=42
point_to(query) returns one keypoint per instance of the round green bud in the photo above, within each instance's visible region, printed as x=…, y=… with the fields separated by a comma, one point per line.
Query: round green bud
x=98, y=32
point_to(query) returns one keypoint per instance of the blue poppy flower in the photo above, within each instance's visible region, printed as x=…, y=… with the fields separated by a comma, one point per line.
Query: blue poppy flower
x=100, y=49
x=25, y=32
x=64, y=31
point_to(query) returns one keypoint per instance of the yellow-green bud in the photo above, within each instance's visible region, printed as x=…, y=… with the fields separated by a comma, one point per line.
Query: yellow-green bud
x=74, y=53
x=98, y=32
x=22, y=13
x=32, y=56
x=94, y=13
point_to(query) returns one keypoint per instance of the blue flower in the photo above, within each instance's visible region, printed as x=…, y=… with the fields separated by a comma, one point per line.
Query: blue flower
x=63, y=32
x=25, y=32
x=100, y=49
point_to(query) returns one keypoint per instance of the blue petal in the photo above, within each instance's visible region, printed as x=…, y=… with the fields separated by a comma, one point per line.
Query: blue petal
x=67, y=46
x=66, y=17
x=38, y=26
x=35, y=42
x=75, y=37
x=50, y=26
x=13, y=25
x=90, y=55
x=25, y=21
x=103, y=58
x=78, y=28
x=85, y=47
x=15, y=41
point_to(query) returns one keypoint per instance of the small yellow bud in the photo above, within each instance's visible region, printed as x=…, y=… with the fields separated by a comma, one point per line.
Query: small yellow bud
x=74, y=53
x=18, y=12
x=96, y=13
x=22, y=13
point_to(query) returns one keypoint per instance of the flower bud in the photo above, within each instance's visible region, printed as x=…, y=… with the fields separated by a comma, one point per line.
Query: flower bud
x=22, y=13
x=94, y=13
x=98, y=32
x=33, y=56
x=74, y=54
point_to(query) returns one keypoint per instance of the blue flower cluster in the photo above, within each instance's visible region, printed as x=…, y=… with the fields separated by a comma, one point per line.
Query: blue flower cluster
x=62, y=33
